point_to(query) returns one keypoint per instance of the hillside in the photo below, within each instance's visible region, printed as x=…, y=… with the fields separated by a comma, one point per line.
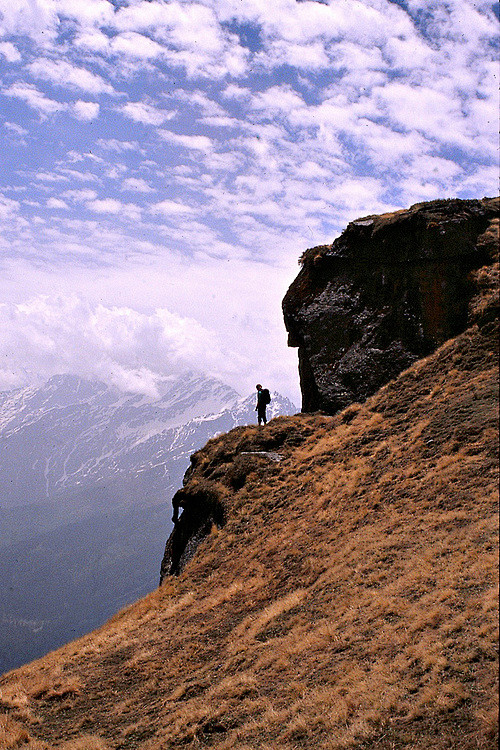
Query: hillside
x=348, y=601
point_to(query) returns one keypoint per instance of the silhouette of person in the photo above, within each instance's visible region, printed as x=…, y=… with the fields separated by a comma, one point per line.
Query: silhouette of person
x=175, y=505
x=262, y=402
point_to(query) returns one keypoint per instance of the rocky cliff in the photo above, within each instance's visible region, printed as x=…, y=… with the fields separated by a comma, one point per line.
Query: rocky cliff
x=344, y=591
x=345, y=598
x=388, y=291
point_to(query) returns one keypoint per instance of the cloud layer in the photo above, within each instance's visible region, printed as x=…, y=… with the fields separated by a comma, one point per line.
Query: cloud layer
x=232, y=133
x=110, y=344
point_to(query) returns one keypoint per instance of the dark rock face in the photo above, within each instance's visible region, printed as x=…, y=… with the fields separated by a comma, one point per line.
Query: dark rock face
x=388, y=291
x=202, y=506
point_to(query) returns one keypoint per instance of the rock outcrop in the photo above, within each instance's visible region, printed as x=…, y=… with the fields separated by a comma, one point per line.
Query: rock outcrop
x=388, y=291
x=202, y=505
x=216, y=472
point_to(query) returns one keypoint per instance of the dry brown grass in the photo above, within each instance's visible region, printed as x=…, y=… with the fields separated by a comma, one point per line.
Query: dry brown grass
x=349, y=602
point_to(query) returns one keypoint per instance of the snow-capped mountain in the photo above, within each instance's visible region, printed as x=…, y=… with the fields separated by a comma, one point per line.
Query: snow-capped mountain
x=71, y=432
x=86, y=478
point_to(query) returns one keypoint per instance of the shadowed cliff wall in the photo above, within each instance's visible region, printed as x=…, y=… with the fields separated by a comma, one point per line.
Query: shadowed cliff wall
x=388, y=291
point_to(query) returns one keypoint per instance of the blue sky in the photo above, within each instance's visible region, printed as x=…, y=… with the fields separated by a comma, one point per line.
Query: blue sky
x=164, y=165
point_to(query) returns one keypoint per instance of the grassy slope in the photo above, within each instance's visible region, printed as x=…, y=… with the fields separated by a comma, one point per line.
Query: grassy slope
x=349, y=602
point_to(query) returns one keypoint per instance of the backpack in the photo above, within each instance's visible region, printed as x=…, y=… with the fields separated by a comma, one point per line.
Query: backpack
x=266, y=396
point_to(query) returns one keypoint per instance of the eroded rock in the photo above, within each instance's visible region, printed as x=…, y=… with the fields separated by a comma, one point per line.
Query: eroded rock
x=201, y=505
x=388, y=291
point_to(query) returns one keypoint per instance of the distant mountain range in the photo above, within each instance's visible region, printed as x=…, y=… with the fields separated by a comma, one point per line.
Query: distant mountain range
x=86, y=478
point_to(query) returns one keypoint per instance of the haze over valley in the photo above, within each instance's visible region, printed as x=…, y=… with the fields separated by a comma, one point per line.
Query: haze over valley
x=86, y=478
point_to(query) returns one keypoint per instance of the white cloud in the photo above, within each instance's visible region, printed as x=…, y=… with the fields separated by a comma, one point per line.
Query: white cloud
x=112, y=206
x=234, y=91
x=10, y=52
x=93, y=39
x=334, y=114
x=105, y=206
x=303, y=23
x=190, y=36
x=310, y=56
x=50, y=177
x=388, y=148
x=119, y=345
x=80, y=195
x=436, y=169
x=278, y=99
x=86, y=111
x=170, y=208
x=311, y=170
x=221, y=122
x=67, y=75
x=186, y=25
x=8, y=207
x=146, y=113
x=113, y=144
x=15, y=128
x=416, y=189
x=87, y=13
x=190, y=142
x=35, y=99
x=56, y=203
x=24, y=17
x=75, y=174
x=426, y=110
x=409, y=53
x=115, y=171
x=136, y=45
x=483, y=181
x=136, y=185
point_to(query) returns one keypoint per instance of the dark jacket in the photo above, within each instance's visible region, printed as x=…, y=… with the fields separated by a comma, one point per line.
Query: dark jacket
x=261, y=402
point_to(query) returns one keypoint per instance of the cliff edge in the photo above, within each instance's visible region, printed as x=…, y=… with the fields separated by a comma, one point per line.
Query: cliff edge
x=388, y=291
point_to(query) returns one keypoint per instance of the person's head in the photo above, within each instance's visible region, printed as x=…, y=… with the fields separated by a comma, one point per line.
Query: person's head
x=259, y=387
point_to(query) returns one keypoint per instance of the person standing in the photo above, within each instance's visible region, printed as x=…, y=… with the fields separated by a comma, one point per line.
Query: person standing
x=263, y=399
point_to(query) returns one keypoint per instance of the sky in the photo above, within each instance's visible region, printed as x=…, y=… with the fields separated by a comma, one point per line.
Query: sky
x=165, y=164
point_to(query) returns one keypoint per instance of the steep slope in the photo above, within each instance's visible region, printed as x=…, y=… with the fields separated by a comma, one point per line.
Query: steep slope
x=347, y=601
x=388, y=291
